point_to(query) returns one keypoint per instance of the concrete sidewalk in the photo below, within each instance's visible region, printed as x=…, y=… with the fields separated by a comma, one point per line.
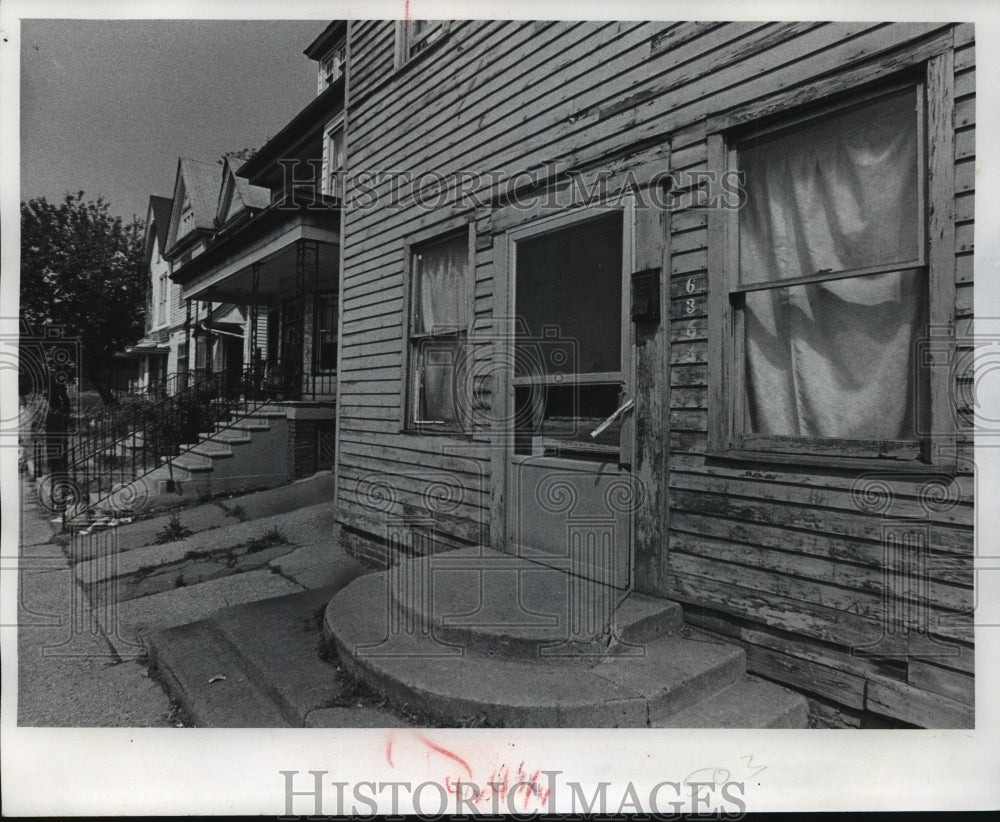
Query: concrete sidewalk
x=68, y=673
x=227, y=510
x=159, y=586
x=241, y=594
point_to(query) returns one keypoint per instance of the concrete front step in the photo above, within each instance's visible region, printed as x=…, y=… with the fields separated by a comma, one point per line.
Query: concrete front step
x=643, y=675
x=747, y=703
x=190, y=661
x=269, y=654
x=505, y=605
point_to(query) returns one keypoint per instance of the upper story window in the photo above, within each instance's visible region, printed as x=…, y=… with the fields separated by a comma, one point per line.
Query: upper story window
x=331, y=67
x=825, y=288
x=161, y=306
x=414, y=36
x=335, y=161
x=187, y=219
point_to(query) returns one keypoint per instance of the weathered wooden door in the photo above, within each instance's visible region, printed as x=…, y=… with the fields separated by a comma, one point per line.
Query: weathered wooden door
x=570, y=488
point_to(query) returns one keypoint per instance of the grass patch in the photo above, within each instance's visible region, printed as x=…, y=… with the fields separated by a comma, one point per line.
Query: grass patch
x=172, y=531
x=237, y=511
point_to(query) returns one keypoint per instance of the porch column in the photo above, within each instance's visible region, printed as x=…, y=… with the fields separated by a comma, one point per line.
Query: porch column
x=306, y=286
x=253, y=319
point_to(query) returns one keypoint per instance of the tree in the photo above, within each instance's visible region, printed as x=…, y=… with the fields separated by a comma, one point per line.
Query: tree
x=240, y=156
x=81, y=269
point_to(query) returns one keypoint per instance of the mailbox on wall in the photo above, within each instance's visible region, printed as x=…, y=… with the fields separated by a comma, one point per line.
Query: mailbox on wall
x=646, y=296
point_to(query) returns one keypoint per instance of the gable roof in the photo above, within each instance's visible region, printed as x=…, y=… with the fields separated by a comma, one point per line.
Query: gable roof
x=251, y=195
x=201, y=184
x=197, y=182
x=237, y=194
x=159, y=210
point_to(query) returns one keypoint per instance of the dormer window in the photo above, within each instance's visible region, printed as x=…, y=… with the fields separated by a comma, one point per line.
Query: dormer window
x=187, y=219
x=331, y=67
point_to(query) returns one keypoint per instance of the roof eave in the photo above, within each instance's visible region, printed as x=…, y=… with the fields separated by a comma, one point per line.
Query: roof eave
x=299, y=130
x=337, y=30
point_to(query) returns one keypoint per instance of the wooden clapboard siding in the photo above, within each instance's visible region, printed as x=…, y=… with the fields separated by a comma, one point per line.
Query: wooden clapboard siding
x=742, y=523
x=789, y=561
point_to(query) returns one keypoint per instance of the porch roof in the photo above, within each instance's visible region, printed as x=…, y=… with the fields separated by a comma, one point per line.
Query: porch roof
x=224, y=271
x=146, y=350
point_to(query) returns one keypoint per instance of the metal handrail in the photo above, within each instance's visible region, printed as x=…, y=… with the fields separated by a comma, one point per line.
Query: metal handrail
x=111, y=423
x=159, y=433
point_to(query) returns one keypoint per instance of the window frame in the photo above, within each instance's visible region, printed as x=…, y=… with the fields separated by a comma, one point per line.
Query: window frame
x=410, y=423
x=185, y=222
x=727, y=439
x=162, y=299
x=409, y=45
x=316, y=343
x=330, y=69
x=334, y=128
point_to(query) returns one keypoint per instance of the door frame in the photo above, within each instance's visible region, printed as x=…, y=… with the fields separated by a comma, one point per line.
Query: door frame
x=504, y=318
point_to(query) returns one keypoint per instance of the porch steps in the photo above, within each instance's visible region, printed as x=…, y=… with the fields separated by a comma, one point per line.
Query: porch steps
x=228, y=436
x=476, y=636
x=210, y=448
x=238, y=454
x=250, y=424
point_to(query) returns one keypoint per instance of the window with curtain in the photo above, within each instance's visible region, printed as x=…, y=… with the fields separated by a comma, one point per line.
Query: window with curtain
x=828, y=280
x=439, y=320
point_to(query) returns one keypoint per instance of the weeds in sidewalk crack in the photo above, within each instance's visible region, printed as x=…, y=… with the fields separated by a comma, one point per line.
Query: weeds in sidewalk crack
x=237, y=511
x=270, y=539
x=172, y=531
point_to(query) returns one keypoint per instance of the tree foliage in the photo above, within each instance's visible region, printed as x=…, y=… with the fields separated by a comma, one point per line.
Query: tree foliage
x=238, y=157
x=81, y=269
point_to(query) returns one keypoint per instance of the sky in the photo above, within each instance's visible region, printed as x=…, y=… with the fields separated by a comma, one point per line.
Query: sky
x=107, y=106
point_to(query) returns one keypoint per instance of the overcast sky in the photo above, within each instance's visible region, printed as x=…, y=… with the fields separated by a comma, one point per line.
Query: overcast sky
x=108, y=106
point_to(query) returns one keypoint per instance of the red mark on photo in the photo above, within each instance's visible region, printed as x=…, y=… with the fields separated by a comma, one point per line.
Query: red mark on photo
x=445, y=752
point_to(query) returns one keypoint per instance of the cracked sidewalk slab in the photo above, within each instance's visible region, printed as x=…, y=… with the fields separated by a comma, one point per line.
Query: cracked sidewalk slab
x=303, y=526
x=124, y=622
x=199, y=517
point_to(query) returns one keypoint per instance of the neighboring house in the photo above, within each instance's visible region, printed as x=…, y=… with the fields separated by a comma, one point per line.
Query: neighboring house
x=258, y=258
x=756, y=404
x=191, y=228
x=165, y=311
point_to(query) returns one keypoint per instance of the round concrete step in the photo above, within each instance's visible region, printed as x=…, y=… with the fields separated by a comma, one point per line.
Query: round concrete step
x=408, y=661
x=505, y=605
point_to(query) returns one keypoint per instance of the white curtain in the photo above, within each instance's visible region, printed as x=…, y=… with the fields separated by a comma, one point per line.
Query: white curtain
x=441, y=287
x=442, y=307
x=834, y=359
x=438, y=388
